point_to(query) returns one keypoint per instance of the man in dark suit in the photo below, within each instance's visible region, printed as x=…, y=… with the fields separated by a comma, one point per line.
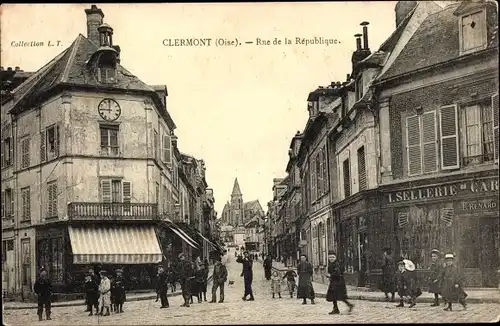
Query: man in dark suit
x=247, y=274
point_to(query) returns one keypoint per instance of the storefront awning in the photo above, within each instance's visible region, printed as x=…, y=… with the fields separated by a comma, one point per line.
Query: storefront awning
x=208, y=241
x=115, y=245
x=184, y=236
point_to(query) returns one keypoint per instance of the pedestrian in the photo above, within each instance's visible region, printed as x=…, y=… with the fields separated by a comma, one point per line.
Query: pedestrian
x=388, y=275
x=104, y=291
x=185, y=274
x=290, y=280
x=111, y=296
x=452, y=282
x=276, y=284
x=118, y=291
x=204, y=283
x=336, y=289
x=268, y=265
x=436, y=270
x=171, y=276
x=95, y=278
x=219, y=277
x=305, y=289
x=43, y=289
x=162, y=287
x=91, y=294
x=247, y=274
x=199, y=276
x=405, y=283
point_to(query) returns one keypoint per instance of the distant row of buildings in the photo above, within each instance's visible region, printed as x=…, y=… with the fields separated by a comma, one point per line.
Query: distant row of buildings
x=92, y=174
x=403, y=153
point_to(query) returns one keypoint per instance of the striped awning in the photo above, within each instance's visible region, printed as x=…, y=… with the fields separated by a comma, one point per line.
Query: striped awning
x=115, y=245
x=208, y=241
x=184, y=236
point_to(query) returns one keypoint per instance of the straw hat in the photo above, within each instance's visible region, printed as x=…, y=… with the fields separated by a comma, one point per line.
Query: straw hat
x=449, y=256
x=435, y=251
x=409, y=265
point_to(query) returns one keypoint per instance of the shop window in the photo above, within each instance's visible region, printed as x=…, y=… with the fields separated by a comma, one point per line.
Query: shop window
x=50, y=256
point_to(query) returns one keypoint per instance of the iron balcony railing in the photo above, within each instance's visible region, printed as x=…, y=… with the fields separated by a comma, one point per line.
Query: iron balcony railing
x=92, y=211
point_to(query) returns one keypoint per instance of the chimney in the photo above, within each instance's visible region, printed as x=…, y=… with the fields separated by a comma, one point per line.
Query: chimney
x=358, y=42
x=402, y=9
x=94, y=20
x=17, y=68
x=348, y=78
x=365, y=35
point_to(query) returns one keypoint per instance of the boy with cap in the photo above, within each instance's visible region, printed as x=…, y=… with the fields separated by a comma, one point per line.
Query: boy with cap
x=436, y=268
x=118, y=291
x=452, y=283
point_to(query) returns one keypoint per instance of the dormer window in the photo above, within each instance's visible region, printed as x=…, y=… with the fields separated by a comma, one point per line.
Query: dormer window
x=106, y=68
x=473, y=32
x=312, y=107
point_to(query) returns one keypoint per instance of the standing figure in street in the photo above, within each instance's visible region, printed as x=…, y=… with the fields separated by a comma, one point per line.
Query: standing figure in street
x=185, y=275
x=43, y=289
x=104, y=292
x=336, y=289
x=91, y=289
x=118, y=291
x=268, y=264
x=171, y=276
x=290, y=280
x=199, y=276
x=219, y=277
x=97, y=280
x=436, y=270
x=276, y=284
x=247, y=274
x=305, y=289
x=452, y=280
x=162, y=287
x=204, y=284
x=388, y=275
x=406, y=285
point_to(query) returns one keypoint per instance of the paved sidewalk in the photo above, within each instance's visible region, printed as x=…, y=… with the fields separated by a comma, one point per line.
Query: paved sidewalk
x=476, y=295
x=13, y=305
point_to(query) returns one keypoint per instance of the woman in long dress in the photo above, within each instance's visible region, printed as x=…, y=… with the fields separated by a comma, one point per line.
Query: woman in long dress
x=336, y=289
x=305, y=289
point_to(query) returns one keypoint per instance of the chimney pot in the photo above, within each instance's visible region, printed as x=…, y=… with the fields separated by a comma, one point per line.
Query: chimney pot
x=348, y=77
x=17, y=68
x=358, y=41
x=365, y=35
x=9, y=69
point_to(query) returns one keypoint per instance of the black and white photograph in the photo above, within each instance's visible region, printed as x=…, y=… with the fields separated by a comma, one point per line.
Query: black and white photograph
x=225, y=163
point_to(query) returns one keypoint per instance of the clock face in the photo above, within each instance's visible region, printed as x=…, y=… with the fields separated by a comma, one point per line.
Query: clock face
x=109, y=110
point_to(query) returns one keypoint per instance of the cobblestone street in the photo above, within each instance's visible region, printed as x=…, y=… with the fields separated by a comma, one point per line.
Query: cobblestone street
x=263, y=310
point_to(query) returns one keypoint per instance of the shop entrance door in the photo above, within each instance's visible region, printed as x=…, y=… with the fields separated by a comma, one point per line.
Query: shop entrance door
x=489, y=251
x=362, y=246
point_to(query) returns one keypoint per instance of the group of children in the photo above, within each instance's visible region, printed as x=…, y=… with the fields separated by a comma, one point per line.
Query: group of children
x=277, y=278
x=103, y=293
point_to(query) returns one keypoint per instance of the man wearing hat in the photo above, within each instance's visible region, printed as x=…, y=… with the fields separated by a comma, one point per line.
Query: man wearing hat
x=162, y=287
x=452, y=283
x=43, y=289
x=305, y=289
x=435, y=269
x=104, y=291
x=388, y=274
x=336, y=289
x=247, y=274
x=118, y=291
x=185, y=274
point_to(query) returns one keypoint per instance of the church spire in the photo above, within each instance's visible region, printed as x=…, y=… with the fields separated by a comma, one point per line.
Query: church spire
x=236, y=189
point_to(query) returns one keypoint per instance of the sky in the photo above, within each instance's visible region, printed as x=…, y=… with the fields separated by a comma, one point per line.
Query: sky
x=235, y=107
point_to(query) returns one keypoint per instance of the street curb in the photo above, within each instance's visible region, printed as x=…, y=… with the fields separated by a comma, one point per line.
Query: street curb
x=82, y=303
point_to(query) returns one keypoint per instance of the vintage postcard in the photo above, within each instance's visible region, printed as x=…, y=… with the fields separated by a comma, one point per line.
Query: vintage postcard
x=250, y=163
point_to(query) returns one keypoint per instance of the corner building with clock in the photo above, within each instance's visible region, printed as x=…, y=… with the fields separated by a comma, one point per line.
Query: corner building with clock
x=92, y=167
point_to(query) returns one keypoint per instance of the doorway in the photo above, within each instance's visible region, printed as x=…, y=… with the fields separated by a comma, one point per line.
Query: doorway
x=489, y=252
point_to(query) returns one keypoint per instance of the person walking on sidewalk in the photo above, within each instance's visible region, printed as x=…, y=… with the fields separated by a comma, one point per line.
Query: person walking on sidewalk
x=290, y=276
x=436, y=270
x=162, y=287
x=219, y=277
x=91, y=294
x=337, y=290
x=43, y=289
x=388, y=275
x=452, y=280
x=305, y=289
x=268, y=265
x=247, y=274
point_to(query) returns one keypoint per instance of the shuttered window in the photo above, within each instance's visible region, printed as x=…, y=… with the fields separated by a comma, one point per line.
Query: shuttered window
x=52, y=142
x=52, y=201
x=313, y=180
x=319, y=172
x=116, y=191
x=449, y=137
x=127, y=195
x=347, y=178
x=414, y=152
x=26, y=204
x=156, y=147
x=167, y=152
x=326, y=179
x=494, y=106
x=8, y=203
x=361, y=169
x=25, y=152
x=479, y=135
x=429, y=142
x=43, y=148
x=7, y=152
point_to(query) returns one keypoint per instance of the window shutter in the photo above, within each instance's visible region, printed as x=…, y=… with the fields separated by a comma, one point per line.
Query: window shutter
x=313, y=180
x=319, y=173
x=361, y=169
x=429, y=142
x=106, y=191
x=3, y=203
x=449, y=137
x=326, y=180
x=2, y=149
x=494, y=106
x=127, y=192
x=12, y=202
x=413, y=145
x=43, y=151
x=166, y=149
x=56, y=141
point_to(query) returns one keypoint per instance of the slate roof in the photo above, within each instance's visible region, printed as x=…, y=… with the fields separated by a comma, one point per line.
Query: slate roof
x=253, y=205
x=70, y=68
x=435, y=41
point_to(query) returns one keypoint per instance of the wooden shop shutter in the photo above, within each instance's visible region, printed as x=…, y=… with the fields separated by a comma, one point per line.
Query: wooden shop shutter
x=449, y=137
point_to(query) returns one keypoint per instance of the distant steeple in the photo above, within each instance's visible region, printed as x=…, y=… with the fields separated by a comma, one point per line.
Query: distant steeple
x=236, y=189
